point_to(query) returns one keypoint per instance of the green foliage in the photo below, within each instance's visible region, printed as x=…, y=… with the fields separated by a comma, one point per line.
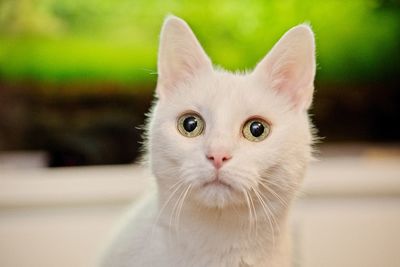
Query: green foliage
x=116, y=41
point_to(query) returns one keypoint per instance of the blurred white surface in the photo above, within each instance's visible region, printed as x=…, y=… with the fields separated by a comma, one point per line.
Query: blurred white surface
x=23, y=160
x=348, y=214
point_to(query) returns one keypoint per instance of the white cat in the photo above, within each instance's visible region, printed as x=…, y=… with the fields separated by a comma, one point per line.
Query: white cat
x=228, y=151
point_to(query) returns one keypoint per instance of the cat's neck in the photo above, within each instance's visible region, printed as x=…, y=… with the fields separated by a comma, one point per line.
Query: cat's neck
x=235, y=224
x=229, y=231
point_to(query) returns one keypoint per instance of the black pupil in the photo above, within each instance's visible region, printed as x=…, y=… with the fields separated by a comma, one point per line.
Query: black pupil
x=256, y=128
x=190, y=123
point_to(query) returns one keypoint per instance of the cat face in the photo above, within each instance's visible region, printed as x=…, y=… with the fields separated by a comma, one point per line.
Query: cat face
x=221, y=138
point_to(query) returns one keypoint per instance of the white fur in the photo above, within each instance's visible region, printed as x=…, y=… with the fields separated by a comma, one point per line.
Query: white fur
x=186, y=224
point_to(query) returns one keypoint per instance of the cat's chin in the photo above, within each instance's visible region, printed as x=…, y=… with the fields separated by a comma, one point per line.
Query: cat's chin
x=216, y=194
x=217, y=183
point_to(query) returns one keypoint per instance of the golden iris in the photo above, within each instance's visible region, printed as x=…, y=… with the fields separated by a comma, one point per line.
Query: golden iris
x=190, y=125
x=256, y=130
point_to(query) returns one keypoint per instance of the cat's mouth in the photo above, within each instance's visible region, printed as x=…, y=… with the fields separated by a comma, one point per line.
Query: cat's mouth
x=217, y=182
x=217, y=191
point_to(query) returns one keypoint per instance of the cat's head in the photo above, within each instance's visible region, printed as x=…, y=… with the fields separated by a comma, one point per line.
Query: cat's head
x=220, y=136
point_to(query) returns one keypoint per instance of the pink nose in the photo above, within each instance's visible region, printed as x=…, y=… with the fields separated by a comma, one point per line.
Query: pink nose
x=218, y=159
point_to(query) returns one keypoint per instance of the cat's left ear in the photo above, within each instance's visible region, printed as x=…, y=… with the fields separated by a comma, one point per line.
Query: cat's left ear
x=180, y=55
x=289, y=68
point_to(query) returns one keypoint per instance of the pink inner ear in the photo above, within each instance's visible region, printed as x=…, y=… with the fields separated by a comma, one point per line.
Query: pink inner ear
x=289, y=68
x=295, y=82
x=180, y=55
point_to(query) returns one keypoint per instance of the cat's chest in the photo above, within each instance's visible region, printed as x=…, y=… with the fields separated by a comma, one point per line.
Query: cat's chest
x=231, y=259
x=211, y=252
x=211, y=259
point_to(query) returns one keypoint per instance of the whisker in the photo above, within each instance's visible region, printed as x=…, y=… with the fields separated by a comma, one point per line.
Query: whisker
x=268, y=208
x=255, y=213
x=269, y=189
x=246, y=196
x=266, y=213
x=181, y=204
x=175, y=184
x=178, y=185
x=173, y=215
x=284, y=187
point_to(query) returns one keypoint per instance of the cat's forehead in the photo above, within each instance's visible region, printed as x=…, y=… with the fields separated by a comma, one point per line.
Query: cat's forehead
x=230, y=96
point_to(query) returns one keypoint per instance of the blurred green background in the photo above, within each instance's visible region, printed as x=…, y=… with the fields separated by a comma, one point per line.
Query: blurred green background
x=77, y=76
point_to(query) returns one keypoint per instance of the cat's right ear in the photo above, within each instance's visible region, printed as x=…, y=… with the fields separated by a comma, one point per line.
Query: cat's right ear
x=180, y=55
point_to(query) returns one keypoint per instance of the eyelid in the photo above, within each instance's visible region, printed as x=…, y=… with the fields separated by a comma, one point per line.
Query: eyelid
x=255, y=117
x=187, y=112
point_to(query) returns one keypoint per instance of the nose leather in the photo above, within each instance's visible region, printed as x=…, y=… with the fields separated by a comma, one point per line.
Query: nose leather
x=218, y=158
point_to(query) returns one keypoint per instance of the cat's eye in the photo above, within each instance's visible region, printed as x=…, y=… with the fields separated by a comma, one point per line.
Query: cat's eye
x=190, y=125
x=256, y=129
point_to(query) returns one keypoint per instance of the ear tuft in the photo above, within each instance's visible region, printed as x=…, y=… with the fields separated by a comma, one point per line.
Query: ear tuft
x=289, y=67
x=180, y=55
